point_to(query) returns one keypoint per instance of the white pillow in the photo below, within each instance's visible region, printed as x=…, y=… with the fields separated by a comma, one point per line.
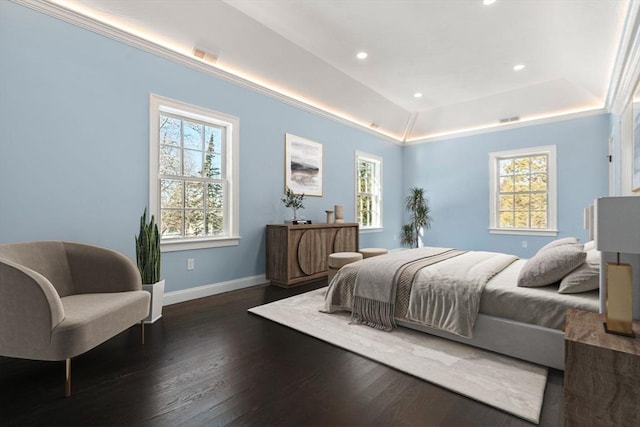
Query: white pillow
x=584, y=278
x=550, y=265
x=591, y=244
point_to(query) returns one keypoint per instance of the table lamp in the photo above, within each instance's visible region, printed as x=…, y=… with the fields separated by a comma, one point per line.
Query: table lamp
x=617, y=229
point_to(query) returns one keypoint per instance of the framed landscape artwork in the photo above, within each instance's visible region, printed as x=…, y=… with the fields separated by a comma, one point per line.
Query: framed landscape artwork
x=303, y=165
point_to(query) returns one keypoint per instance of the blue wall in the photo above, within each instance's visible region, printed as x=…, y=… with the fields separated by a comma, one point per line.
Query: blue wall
x=455, y=174
x=74, y=147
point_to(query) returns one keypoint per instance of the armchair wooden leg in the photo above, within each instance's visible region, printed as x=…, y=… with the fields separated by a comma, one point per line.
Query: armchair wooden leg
x=67, y=381
x=142, y=330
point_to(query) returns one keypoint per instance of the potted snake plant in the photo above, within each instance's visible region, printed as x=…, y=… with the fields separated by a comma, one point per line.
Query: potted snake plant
x=148, y=259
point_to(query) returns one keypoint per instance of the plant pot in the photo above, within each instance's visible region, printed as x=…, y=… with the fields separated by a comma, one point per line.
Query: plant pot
x=157, y=299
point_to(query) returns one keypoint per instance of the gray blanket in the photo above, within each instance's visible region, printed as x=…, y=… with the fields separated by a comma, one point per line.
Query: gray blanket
x=420, y=270
x=376, y=283
x=447, y=295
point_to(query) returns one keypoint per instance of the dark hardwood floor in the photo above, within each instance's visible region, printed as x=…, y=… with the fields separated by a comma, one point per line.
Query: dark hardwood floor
x=208, y=362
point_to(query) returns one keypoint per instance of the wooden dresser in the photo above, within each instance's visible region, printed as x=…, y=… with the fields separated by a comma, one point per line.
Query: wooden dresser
x=297, y=254
x=602, y=373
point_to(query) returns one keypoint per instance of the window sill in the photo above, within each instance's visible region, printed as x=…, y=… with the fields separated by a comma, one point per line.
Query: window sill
x=190, y=244
x=524, y=231
x=371, y=229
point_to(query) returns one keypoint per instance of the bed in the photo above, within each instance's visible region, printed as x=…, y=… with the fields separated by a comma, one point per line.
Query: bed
x=497, y=314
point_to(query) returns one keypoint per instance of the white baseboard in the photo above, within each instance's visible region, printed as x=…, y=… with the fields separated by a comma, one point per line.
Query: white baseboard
x=183, y=295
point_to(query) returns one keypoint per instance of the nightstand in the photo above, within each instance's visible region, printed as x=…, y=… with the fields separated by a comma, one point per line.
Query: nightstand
x=602, y=373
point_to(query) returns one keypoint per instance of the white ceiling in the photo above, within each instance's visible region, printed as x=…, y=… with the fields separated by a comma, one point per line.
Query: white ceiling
x=459, y=53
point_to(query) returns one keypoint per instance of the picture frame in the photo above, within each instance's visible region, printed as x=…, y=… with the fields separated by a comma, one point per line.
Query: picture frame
x=303, y=165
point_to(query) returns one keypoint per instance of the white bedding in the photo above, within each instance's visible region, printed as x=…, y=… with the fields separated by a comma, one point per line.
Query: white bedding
x=536, y=306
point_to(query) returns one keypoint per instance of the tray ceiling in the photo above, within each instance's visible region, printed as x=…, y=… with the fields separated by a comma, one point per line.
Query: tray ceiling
x=460, y=55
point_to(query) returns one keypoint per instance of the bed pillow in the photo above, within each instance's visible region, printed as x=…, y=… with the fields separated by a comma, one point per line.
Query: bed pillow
x=559, y=242
x=591, y=244
x=551, y=265
x=584, y=278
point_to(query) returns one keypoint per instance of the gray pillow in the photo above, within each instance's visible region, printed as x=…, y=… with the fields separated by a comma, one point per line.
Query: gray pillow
x=584, y=278
x=559, y=242
x=550, y=265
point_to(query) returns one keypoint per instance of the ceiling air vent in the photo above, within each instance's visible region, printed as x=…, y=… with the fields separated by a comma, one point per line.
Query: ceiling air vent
x=510, y=119
x=205, y=56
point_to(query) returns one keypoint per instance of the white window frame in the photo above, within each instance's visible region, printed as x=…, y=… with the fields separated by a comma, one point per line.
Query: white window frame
x=158, y=104
x=377, y=161
x=552, y=219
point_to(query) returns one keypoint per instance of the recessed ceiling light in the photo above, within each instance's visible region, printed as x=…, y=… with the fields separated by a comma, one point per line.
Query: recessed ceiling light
x=417, y=95
x=488, y=2
x=362, y=55
x=518, y=67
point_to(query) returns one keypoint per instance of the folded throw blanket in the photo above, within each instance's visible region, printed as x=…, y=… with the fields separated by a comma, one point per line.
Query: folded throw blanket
x=377, y=280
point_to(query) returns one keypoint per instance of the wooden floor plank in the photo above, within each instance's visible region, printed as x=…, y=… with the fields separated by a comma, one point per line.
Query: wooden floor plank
x=209, y=362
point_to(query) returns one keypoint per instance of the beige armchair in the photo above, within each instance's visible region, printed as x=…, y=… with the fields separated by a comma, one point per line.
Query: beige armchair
x=61, y=299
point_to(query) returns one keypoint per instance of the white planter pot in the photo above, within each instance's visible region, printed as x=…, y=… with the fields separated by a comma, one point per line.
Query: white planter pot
x=157, y=298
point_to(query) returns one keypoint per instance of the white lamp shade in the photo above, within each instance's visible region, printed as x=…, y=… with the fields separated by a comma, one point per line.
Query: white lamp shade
x=617, y=224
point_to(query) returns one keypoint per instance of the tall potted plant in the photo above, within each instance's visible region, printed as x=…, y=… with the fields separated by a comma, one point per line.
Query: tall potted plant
x=418, y=205
x=148, y=258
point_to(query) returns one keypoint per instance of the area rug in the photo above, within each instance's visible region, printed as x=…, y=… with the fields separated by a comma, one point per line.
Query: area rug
x=511, y=385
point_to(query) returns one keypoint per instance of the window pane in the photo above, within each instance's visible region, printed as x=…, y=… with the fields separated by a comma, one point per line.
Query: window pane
x=506, y=203
x=215, y=223
x=212, y=165
x=539, y=182
x=215, y=196
x=506, y=184
x=522, y=182
x=539, y=164
x=506, y=219
x=506, y=167
x=522, y=219
x=521, y=165
x=522, y=202
x=194, y=195
x=194, y=223
x=538, y=219
x=193, y=135
x=170, y=223
x=170, y=160
x=539, y=202
x=170, y=193
x=192, y=163
x=213, y=139
x=169, y=131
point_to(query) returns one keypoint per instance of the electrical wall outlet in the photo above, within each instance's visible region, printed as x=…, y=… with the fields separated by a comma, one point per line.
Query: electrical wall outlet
x=524, y=243
x=191, y=263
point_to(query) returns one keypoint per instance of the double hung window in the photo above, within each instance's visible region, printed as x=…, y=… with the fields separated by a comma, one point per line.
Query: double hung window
x=523, y=191
x=368, y=190
x=193, y=183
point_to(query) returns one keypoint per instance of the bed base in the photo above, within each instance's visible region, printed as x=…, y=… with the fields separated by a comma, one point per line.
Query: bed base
x=532, y=343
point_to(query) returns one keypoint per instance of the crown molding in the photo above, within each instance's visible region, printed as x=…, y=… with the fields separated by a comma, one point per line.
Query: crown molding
x=509, y=126
x=98, y=27
x=626, y=67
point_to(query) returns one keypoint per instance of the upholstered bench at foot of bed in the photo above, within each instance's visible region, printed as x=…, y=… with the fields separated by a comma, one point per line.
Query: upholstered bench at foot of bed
x=340, y=259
